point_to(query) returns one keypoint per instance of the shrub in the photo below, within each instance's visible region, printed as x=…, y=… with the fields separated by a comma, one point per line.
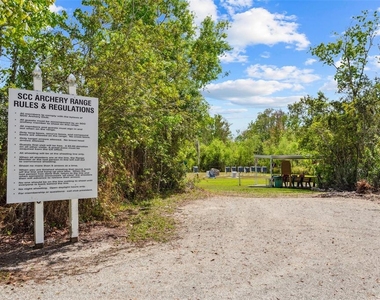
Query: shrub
x=362, y=186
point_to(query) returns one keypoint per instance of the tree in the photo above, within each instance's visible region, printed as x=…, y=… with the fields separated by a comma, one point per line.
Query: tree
x=353, y=120
x=267, y=128
x=146, y=64
x=23, y=27
x=323, y=132
x=216, y=127
x=144, y=60
x=214, y=155
x=26, y=37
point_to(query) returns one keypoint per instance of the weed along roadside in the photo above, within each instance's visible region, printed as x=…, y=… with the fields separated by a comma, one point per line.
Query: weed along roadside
x=152, y=220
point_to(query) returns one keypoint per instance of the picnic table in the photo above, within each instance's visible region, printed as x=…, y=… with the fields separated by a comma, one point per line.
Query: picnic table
x=302, y=179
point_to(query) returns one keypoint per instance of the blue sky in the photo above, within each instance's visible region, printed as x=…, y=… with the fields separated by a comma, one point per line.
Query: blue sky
x=271, y=65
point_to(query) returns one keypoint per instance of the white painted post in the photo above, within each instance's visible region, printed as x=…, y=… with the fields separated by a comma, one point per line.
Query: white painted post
x=74, y=220
x=37, y=79
x=257, y=179
x=73, y=203
x=39, y=205
x=271, y=171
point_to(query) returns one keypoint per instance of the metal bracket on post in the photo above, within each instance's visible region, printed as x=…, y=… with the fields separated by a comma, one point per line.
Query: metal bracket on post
x=73, y=206
x=38, y=206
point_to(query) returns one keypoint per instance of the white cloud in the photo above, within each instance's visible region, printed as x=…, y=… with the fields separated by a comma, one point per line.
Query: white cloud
x=374, y=61
x=55, y=9
x=265, y=54
x=203, y=9
x=310, y=61
x=329, y=85
x=227, y=111
x=254, y=26
x=234, y=56
x=338, y=63
x=236, y=5
x=285, y=73
x=298, y=87
x=235, y=90
x=254, y=93
x=259, y=26
x=266, y=102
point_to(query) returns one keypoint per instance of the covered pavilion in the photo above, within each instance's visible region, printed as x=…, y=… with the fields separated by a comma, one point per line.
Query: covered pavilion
x=280, y=157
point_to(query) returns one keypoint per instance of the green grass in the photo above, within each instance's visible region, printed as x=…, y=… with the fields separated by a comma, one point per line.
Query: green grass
x=247, y=185
x=152, y=220
x=5, y=276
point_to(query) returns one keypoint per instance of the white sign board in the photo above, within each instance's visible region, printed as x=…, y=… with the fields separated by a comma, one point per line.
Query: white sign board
x=52, y=146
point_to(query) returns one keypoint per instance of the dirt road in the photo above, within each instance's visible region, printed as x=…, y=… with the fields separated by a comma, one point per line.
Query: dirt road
x=229, y=248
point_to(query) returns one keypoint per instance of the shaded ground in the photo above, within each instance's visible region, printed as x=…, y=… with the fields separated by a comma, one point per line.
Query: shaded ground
x=227, y=248
x=19, y=258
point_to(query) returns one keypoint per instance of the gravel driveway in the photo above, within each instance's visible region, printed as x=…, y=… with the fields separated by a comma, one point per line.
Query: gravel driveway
x=231, y=248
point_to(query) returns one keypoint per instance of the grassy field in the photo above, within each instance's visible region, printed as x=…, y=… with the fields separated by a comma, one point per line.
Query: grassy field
x=247, y=185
